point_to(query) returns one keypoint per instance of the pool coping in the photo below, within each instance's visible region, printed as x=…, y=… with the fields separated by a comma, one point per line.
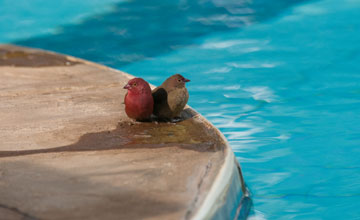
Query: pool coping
x=228, y=178
x=224, y=177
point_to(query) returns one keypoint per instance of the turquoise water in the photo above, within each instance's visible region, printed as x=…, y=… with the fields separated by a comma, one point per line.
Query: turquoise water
x=280, y=79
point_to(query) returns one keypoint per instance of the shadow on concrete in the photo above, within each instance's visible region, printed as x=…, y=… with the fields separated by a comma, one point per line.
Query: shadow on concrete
x=142, y=29
x=58, y=194
x=186, y=134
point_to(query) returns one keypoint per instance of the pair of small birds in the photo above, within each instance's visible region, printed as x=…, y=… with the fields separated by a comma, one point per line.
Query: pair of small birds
x=166, y=101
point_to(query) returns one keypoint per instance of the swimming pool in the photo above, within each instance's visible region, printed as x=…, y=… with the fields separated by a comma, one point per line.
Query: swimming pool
x=281, y=80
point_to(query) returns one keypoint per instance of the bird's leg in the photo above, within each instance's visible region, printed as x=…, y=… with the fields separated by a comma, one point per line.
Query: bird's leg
x=143, y=120
x=160, y=120
x=176, y=119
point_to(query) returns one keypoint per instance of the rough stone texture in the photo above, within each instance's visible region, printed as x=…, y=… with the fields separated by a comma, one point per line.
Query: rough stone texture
x=68, y=151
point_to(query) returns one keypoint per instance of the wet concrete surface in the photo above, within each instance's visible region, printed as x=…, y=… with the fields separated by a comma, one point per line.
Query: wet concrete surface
x=187, y=134
x=68, y=151
x=10, y=56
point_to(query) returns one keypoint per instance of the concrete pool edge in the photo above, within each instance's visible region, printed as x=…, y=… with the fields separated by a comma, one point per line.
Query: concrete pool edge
x=225, y=180
x=230, y=171
x=228, y=180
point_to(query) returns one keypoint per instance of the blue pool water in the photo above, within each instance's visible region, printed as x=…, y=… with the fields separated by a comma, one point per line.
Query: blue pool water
x=281, y=80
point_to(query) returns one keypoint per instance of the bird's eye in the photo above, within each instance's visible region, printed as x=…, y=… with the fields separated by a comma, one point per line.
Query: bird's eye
x=179, y=80
x=134, y=84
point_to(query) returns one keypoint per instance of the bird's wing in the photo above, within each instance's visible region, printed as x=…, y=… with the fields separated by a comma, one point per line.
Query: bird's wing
x=177, y=99
x=161, y=107
x=159, y=94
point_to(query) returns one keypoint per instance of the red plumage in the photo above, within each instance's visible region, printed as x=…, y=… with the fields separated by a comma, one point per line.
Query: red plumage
x=139, y=102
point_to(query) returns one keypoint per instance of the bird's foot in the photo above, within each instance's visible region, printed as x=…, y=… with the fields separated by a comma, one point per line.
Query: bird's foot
x=176, y=120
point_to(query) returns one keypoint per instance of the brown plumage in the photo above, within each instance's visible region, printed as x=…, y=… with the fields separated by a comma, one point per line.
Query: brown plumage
x=170, y=97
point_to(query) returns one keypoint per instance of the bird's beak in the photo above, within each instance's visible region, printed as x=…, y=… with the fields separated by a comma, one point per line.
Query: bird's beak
x=186, y=80
x=127, y=86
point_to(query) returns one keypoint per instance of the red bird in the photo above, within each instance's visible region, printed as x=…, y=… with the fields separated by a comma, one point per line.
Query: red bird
x=139, y=102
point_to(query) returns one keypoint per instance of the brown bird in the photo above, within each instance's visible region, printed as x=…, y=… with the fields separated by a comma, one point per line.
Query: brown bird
x=170, y=97
x=138, y=100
